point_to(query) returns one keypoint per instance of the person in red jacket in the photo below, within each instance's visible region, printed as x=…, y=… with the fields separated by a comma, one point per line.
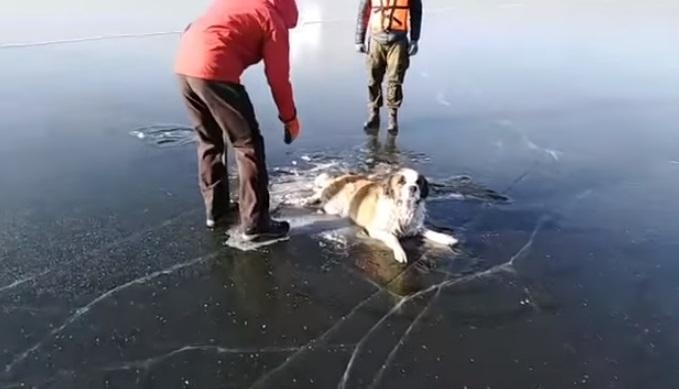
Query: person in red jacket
x=214, y=51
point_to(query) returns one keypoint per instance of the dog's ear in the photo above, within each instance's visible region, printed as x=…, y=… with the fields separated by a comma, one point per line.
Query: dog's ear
x=388, y=185
x=424, y=186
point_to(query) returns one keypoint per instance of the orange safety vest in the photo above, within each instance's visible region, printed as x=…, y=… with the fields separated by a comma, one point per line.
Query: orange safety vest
x=390, y=15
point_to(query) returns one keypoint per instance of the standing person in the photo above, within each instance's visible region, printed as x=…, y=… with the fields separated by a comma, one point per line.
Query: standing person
x=389, y=52
x=214, y=51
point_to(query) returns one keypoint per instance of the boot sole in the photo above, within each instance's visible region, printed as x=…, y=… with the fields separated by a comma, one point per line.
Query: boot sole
x=259, y=238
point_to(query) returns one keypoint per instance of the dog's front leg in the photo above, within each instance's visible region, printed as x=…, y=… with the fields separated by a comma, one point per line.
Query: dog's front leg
x=437, y=237
x=392, y=242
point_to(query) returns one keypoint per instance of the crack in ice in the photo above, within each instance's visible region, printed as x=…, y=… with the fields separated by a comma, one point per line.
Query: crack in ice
x=319, y=339
x=21, y=281
x=520, y=178
x=526, y=247
x=506, y=267
x=370, y=281
x=404, y=337
x=554, y=154
x=347, y=371
x=86, y=308
x=531, y=145
x=147, y=364
x=402, y=340
x=312, y=343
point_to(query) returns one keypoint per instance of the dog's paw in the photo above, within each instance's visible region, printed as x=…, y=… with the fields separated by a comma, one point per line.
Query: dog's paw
x=449, y=240
x=440, y=238
x=400, y=256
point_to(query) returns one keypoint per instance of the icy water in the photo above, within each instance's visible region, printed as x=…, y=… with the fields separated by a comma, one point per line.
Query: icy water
x=548, y=128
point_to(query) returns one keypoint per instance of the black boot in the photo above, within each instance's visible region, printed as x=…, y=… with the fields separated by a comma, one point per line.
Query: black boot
x=372, y=125
x=393, y=122
x=271, y=231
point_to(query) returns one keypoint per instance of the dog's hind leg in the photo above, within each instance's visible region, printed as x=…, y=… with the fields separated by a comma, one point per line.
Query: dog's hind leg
x=313, y=201
x=322, y=181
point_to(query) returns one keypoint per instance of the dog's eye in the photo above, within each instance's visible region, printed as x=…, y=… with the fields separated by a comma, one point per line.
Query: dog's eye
x=401, y=180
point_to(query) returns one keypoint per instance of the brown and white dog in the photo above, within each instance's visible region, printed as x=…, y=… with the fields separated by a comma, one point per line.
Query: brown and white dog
x=387, y=209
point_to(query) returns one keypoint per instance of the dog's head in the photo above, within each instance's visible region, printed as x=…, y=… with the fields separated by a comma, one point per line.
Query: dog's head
x=406, y=185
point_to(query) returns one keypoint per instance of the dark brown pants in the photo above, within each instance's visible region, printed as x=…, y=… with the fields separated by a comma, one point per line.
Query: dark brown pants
x=217, y=109
x=392, y=59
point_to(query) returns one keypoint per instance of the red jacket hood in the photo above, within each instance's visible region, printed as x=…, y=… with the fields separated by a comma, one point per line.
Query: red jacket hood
x=288, y=11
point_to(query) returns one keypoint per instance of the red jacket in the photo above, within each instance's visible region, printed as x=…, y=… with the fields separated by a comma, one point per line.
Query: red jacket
x=234, y=34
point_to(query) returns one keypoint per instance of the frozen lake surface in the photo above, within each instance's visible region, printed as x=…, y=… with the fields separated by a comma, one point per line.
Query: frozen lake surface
x=549, y=127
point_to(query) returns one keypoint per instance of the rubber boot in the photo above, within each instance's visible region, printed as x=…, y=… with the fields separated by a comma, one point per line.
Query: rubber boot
x=392, y=128
x=372, y=125
x=272, y=231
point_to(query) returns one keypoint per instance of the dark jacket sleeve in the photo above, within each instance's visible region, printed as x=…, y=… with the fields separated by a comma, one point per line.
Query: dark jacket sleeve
x=362, y=20
x=415, y=19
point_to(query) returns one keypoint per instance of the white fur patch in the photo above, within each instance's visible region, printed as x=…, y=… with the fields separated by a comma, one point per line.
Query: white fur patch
x=400, y=218
x=407, y=212
x=410, y=175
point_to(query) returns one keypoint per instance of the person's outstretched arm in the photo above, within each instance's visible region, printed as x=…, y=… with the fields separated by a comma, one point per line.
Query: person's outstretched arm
x=277, y=69
x=362, y=21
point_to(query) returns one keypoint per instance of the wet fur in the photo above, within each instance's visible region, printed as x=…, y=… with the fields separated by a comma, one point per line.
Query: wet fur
x=387, y=209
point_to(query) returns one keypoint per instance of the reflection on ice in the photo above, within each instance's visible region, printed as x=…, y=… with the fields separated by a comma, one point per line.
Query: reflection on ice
x=165, y=135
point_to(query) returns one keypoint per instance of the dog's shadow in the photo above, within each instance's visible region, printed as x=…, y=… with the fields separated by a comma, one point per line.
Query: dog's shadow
x=369, y=257
x=373, y=260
